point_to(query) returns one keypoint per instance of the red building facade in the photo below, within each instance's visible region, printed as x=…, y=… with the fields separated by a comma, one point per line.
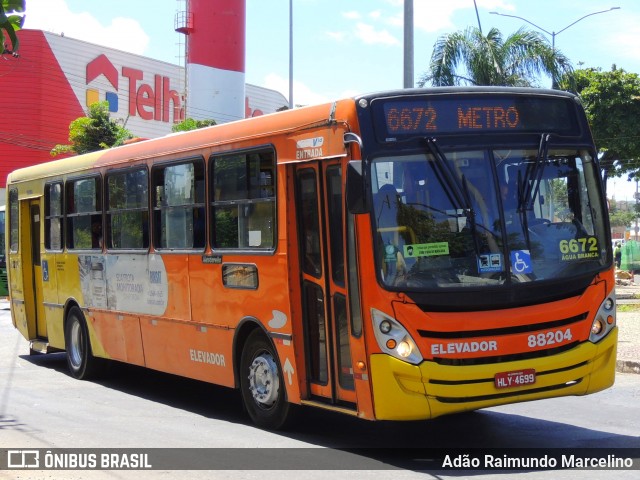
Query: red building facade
x=55, y=78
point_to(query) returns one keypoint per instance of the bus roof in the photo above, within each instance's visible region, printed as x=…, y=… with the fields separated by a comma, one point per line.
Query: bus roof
x=255, y=128
x=462, y=90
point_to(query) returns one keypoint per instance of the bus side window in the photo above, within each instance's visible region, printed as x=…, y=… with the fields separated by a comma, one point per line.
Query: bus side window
x=14, y=232
x=53, y=216
x=179, y=218
x=199, y=227
x=83, y=210
x=243, y=204
x=127, y=209
x=96, y=231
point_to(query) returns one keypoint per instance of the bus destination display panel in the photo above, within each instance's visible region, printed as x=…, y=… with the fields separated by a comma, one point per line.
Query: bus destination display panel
x=417, y=117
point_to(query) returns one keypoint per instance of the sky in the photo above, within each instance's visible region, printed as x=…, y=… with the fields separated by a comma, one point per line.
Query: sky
x=347, y=47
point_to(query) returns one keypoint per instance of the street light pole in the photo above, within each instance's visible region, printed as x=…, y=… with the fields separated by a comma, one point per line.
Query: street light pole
x=553, y=34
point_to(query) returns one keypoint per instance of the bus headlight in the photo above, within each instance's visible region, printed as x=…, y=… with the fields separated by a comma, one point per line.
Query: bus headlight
x=394, y=339
x=604, y=320
x=404, y=349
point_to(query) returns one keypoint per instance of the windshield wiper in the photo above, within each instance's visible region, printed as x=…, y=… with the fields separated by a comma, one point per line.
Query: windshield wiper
x=533, y=176
x=524, y=220
x=454, y=186
x=529, y=186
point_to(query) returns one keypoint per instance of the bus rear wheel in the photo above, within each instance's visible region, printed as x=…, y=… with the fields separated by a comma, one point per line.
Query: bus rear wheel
x=261, y=383
x=82, y=364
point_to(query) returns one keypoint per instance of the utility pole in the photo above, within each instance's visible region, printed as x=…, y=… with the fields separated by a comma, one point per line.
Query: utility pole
x=408, y=43
x=291, y=54
x=475, y=5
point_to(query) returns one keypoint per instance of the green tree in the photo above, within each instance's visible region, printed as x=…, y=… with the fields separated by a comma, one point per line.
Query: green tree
x=191, y=124
x=621, y=218
x=10, y=23
x=612, y=102
x=471, y=58
x=94, y=132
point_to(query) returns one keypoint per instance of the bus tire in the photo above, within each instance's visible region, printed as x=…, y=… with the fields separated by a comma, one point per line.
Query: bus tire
x=81, y=362
x=261, y=383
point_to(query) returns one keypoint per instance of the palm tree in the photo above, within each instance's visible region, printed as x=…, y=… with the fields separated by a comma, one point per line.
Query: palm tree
x=470, y=58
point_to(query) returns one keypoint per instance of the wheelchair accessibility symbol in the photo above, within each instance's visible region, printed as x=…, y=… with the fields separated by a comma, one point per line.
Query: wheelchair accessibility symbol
x=521, y=261
x=45, y=270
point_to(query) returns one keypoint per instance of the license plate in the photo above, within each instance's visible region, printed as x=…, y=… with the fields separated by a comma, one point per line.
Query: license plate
x=516, y=378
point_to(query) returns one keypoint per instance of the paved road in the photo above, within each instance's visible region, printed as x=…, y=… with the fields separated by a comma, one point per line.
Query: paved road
x=41, y=406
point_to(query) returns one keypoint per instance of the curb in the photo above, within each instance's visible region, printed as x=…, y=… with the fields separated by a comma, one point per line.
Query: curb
x=627, y=296
x=627, y=366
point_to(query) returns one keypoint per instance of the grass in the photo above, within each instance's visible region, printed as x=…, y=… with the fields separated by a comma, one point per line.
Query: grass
x=632, y=307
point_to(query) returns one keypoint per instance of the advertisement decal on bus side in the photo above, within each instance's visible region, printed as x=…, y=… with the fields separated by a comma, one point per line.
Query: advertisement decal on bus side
x=131, y=283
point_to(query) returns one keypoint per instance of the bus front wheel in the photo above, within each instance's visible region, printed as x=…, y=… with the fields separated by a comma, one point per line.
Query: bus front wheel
x=261, y=383
x=82, y=364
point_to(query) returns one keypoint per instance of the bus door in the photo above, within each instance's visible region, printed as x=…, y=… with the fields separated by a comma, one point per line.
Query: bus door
x=319, y=207
x=31, y=266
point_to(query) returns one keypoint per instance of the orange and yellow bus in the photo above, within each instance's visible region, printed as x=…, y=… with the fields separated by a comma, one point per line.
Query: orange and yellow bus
x=3, y=264
x=395, y=256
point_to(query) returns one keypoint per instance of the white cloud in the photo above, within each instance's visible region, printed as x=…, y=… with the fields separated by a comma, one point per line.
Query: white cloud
x=621, y=39
x=302, y=94
x=428, y=16
x=437, y=16
x=337, y=36
x=353, y=15
x=496, y=4
x=397, y=20
x=349, y=93
x=369, y=35
x=54, y=15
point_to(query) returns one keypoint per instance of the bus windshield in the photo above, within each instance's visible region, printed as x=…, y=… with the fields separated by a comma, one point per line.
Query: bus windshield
x=487, y=217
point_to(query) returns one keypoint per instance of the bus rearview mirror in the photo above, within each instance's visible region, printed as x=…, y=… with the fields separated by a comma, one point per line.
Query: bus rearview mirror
x=356, y=196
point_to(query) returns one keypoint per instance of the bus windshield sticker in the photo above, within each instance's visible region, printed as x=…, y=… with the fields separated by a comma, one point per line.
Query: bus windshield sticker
x=490, y=262
x=584, y=248
x=521, y=261
x=426, y=249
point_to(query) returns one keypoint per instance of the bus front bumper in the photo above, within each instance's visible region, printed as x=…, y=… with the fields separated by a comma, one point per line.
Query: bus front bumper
x=402, y=391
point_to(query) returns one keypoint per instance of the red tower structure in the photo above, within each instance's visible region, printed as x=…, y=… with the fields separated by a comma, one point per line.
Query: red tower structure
x=215, y=58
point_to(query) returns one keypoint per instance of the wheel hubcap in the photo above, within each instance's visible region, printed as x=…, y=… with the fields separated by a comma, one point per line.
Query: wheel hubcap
x=264, y=383
x=75, y=347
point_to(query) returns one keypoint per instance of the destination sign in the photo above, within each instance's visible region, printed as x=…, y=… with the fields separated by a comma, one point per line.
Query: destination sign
x=397, y=118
